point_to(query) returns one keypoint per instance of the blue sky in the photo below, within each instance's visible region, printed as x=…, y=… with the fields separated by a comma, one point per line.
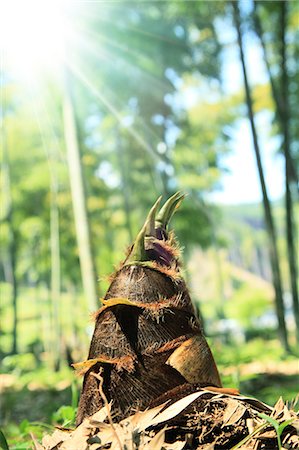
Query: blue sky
x=241, y=184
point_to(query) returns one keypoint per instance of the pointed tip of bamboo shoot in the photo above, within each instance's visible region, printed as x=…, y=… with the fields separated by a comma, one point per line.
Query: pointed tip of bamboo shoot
x=168, y=209
x=138, y=252
x=151, y=217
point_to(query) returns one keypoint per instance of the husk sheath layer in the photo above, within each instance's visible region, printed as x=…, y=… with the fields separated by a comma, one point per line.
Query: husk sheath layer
x=147, y=339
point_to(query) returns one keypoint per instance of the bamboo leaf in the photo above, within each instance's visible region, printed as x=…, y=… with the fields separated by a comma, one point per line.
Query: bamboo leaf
x=283, y=425
x=270, y=420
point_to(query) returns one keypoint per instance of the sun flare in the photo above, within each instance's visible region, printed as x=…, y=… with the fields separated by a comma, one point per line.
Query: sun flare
x=32, y=36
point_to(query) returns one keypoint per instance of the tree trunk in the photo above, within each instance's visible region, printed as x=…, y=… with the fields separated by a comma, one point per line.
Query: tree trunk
x=79, y=200
x=282, y=109
x=55, y=278
x=280, y=312
x=12, y=237
x=284, y=117
x=277, y=96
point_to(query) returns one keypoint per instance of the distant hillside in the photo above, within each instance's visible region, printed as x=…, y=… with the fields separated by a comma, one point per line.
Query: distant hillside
x=252, y=214
x=243, y=233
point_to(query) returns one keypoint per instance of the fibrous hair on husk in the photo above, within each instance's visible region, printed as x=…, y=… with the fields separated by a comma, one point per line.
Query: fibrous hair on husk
x=147, y=339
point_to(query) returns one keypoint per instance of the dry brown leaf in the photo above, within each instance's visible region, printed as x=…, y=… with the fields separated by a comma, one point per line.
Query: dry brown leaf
x=231, y=406
x=225, y=391
x=99, y=416
x=247, y=447
x=278, y=408
x=178, y=445
x=143, y=419
x=206, y=447
x=234, y=411
x=37, y=445
x=251, y=425
x=286, y=414
x=116, y=436
x=107, y=433
x=270, y=434
x=156, y=442
x=115, y=445
x=51, y=441
x=293, y=442
x=78, y=438
x=258, y=405
x=176, y=408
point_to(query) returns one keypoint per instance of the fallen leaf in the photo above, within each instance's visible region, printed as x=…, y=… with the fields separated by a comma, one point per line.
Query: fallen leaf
x=278, y=408
x=233, y=412
x=178, y=445
x=157, y=441
x=37, y=445
x=51, y=441
x=107, y=433
x=99, y=416
x=256, y=403
x=78, y=438
x=231, y=406
x=143, y=419
x=250, y=425
x=176, y=408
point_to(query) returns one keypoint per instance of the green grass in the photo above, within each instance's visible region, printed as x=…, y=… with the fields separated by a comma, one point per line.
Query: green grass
x=35, y=317
x=259, y=368
x=36, y=402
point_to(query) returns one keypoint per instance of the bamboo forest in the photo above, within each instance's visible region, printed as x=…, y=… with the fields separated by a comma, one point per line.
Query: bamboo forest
x=149, y=155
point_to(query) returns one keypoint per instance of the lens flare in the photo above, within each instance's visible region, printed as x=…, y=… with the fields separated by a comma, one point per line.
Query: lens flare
x=32, y=36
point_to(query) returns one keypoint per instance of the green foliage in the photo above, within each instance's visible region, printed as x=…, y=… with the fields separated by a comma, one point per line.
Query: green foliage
x=19, y=363
x=255, y=350
x=258, y=368
x=3, y=441
x=65, y=416
x=19, y=435
x=248, y=303
x=154, y=117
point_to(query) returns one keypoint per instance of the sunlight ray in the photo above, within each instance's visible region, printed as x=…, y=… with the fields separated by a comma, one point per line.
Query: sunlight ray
x=137, y=136
x=155, y=36
x=107, y=58
x=139, y=123
x=37, y=111
x=51, y=127
x=101, y=53
x=97, y=51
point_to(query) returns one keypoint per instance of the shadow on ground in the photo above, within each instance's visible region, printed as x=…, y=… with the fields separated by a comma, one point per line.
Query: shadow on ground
x=268, y=387
x=32, y=405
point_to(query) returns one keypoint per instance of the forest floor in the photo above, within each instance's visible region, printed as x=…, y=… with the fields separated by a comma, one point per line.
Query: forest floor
x=35, y=400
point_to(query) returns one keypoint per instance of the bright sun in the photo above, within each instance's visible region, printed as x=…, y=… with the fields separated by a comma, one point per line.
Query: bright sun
x=32, y=36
